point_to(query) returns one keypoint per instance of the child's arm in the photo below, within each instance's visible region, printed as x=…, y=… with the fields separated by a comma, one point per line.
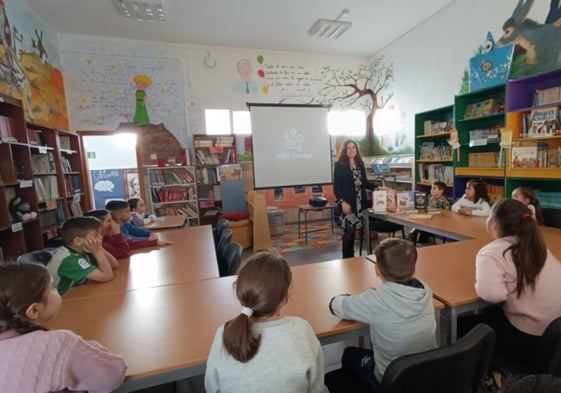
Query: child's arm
x=112, y=261
x=482, y=209
x=457, y=205
x=490, y=282
x=104, y=272
x=91, y=367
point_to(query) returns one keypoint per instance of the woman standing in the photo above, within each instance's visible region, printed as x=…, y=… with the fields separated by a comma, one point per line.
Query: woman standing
x=350, y=184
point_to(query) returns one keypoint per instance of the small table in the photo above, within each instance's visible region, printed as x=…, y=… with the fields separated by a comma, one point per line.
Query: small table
x=305, y=209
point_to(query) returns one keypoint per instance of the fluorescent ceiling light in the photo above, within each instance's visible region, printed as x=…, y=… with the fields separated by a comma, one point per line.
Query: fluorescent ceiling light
x=327, y=28
x=147, y=10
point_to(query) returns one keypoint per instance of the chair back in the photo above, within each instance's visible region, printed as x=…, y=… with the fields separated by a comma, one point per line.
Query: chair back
x=456, y=368
x=220, y=226
x=232, y=257
x=39, y=256
x=549, y=350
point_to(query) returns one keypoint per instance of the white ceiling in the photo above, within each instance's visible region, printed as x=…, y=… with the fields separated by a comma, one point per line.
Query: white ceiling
x=255, y=24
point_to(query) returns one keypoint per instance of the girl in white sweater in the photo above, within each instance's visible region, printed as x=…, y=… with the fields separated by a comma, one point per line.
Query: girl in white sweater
x=475, y=201
x=260, y=350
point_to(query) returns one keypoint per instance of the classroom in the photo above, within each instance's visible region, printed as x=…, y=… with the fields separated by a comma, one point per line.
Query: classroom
x=200, y=111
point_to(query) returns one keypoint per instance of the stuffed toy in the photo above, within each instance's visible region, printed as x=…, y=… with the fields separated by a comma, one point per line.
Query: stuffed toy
x=21, y=210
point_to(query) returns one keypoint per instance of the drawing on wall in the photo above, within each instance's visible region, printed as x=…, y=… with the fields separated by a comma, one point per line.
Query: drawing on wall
x=140, y=111
x=100, y=92
x=244, y=85
x=28, y=70
x=540, y=44
x=261, y=75
x=132, y=184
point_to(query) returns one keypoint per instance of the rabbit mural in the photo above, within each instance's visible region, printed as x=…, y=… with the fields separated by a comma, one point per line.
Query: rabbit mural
x=542, y=42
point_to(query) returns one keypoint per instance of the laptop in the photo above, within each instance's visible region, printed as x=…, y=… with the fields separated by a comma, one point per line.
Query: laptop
x=380, y=169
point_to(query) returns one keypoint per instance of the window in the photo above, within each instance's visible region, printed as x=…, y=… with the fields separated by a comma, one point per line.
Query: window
x=348, y=123
x=241, y=122
x=217, y=121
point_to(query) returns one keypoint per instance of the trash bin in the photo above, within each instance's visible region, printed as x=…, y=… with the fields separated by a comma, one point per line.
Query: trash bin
x=276, y=220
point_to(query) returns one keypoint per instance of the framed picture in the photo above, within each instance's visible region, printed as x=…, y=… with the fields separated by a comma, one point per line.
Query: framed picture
x=132, y=184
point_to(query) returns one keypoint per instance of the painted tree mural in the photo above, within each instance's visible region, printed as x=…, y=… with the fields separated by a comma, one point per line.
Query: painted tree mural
x=365, y=87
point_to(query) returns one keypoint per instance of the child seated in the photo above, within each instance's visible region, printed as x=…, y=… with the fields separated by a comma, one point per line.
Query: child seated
x=121, y=214
x=400, y=313
x=527, y=196
x=138, y=210
x=34, y=359
x=437, y=200
x=113, y=240
x=261, y=350
x=475, y=201
x=82, y=256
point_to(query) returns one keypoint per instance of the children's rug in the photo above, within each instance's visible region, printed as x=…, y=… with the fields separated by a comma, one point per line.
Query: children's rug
x=323, y=237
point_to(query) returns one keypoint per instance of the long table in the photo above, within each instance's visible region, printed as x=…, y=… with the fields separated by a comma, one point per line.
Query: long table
x=449, y=269
x=191, y=256
x=165, y=332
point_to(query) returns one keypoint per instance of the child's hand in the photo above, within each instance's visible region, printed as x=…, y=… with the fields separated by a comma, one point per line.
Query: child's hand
x=163, y=243
x=93, y=244
x=153, y=236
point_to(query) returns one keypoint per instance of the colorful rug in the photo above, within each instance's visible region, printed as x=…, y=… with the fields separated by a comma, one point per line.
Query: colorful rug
x=316, y=239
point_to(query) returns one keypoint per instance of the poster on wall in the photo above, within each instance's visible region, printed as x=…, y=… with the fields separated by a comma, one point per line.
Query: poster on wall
x=105, y=91
x=29, y=64
x=110, y=184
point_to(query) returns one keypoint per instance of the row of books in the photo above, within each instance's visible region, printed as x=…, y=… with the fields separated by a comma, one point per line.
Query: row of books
x=73, y=184
x=172, y=195
x=398, y=200
x=207, y=176
x=169, y=177
x=495, y=192
x=433, y=127
x=547, y=96
x=213, y=193
x=7, y=129
x=429, y=173
x=227, y=156
x=484, y=160
x=436, y=153
x=43, y=163
x=222, y=140
x=484, y=108
x=543, y=122
x=66, y=167
x=46, y=188
x=536, y=154
x=481, y=137
x=187, y=209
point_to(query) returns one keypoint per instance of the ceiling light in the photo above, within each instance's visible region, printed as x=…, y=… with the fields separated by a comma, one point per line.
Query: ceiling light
x=327, y=28
x=146, y=10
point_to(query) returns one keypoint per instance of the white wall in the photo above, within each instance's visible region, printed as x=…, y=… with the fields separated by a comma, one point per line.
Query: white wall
x=429, y=61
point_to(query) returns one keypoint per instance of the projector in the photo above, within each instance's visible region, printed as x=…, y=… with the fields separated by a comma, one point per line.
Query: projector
x=317, y=201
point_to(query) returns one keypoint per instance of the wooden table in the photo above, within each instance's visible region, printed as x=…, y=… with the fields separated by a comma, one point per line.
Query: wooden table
x=303, y=210
x=165, y=332
x=191, y=256
x=167, y=222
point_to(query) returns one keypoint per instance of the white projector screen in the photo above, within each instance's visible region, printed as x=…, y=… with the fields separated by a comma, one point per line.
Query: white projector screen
x=291, y=145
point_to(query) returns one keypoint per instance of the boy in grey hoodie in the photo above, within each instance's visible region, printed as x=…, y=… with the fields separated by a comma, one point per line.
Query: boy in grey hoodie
x=400, y=313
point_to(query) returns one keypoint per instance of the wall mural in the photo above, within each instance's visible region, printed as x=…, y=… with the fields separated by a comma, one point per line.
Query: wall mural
x=28, y=65
x=105, y=91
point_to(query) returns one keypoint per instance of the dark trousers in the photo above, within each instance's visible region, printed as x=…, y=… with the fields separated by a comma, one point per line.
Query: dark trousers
x=348, y=239
x=510, y=343
x=359, y=362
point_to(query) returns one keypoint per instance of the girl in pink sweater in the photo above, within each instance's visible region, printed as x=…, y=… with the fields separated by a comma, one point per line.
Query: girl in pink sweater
x=33, y=359
x=517, y=269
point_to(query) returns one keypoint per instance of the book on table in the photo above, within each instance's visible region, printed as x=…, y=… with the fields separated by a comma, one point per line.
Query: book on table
x=380, y=201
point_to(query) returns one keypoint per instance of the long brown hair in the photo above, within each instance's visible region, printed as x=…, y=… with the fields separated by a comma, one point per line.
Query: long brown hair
x=262, y=286
x=529, y=251
x=21, y=285
x=343, y=158
x=480, y=189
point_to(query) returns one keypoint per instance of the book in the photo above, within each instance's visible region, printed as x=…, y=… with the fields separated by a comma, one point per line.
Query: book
x=404, y=200
x=524, y=155
x=391, y=200
x=547, y=96
x=379, y=201
x=543, y=122
x=427, y=150
x=420, y=199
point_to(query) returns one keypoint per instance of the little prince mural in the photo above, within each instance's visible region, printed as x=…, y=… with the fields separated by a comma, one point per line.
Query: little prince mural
x=140, y=111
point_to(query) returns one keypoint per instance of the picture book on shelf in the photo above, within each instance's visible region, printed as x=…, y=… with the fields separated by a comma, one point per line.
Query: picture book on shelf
x=543, y=122
x=524, y=155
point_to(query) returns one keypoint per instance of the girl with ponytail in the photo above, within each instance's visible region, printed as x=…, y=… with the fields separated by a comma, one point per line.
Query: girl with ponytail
x=260, y=349
x=39, y=360
x=517, y=270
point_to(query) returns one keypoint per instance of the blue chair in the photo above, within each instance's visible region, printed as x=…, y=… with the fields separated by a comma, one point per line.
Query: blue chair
x=232, y=258
x=217, y=231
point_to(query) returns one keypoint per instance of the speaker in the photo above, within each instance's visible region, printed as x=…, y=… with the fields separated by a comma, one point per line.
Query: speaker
x=317, y=201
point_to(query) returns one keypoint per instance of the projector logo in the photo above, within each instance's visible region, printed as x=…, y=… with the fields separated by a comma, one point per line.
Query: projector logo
x=294, y=146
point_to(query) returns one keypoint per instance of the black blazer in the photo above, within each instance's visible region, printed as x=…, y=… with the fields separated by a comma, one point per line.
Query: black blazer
x=344, y=186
